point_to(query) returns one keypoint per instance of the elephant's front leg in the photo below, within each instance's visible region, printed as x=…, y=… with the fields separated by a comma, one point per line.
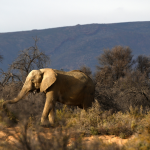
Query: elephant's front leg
x=51, y=115
x=48, y=109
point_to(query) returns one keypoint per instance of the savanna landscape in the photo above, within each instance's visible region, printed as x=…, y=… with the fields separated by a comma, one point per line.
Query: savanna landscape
x=118, y=119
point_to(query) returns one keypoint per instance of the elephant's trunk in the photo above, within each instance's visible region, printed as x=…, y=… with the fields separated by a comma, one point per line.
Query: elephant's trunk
x=22, y=93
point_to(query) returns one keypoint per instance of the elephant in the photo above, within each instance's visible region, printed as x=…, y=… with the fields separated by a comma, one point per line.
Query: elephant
x=71, y=88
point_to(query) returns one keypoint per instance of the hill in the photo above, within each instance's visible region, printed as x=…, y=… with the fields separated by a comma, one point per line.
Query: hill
x=71, y=47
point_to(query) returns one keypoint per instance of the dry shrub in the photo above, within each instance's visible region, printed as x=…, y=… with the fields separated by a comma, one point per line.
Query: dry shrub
x=130, y=90
x=104, y=90
x=140, y=142
x=96, y=121
x=10, y=90
x=29, y=107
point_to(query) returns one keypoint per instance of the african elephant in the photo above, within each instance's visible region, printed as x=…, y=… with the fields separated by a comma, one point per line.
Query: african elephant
x=70, y=88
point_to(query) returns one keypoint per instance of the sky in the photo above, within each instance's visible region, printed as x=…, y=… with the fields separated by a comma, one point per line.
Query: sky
x=24, y=15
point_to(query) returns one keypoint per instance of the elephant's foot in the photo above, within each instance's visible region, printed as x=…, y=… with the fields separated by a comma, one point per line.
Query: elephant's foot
x=45, y=122
x=46, y=125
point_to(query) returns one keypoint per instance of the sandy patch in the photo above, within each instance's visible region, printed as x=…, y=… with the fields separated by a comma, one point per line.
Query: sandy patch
x=48, y=135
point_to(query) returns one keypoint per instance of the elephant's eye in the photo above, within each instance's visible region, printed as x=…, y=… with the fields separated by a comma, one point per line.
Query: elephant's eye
x=32, y=80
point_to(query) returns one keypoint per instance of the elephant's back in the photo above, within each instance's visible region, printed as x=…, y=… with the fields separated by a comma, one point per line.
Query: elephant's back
x=76, y=78
x=78, y=74
x=86, y=81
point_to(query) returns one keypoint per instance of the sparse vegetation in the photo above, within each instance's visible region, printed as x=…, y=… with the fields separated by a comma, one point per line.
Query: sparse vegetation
x=121, y=108
x=78, y=124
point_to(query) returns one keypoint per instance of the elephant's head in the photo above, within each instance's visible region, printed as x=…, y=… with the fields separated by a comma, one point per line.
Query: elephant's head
x=37, y=80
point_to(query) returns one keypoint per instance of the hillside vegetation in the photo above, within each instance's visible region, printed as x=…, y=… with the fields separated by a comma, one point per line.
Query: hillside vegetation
x=78, y=45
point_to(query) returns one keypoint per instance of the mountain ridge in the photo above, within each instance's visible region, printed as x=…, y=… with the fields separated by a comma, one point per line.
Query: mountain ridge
x=73, y=46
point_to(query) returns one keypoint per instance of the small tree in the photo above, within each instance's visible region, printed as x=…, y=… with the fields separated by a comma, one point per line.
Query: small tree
x=29, y=59
x=143, y=64
x=118, y=60
x=114, y=65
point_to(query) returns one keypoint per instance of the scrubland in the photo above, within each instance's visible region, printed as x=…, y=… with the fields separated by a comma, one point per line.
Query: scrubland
x=20, y=125
x=121, y=109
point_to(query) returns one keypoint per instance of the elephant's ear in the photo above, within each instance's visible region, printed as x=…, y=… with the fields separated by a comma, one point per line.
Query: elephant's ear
x=49, y=77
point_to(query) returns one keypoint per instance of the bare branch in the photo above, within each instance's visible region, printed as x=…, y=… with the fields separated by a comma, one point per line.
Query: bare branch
x=29, y=59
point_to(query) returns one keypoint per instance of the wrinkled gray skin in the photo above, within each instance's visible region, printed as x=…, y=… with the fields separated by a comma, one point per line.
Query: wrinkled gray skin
x=70, y=88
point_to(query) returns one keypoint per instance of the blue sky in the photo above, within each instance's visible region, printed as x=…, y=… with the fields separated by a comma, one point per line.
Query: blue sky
x=23, y=15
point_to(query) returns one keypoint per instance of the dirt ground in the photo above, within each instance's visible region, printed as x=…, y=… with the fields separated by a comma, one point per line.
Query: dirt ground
x=109, y=139
x=104, y=138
